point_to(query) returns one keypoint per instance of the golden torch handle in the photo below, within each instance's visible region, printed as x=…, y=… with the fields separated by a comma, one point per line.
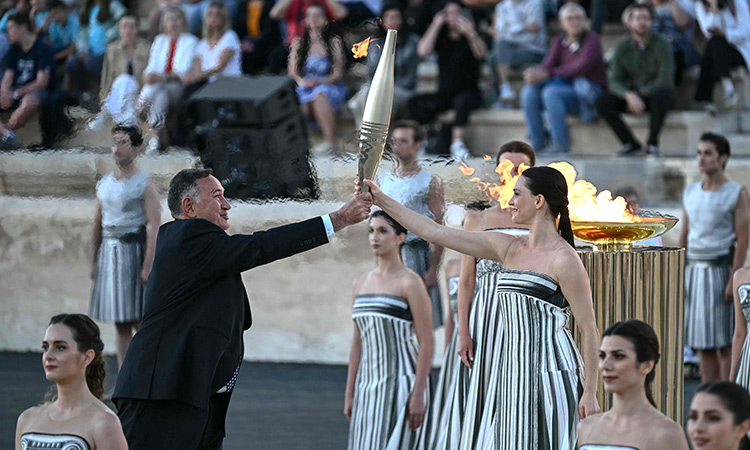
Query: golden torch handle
x=377, y=114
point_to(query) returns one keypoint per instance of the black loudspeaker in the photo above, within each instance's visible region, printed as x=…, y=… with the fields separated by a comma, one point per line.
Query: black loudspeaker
x=245, y=101
x=251, y=132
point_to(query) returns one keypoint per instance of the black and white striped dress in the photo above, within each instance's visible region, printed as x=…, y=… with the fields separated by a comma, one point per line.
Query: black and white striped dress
x=743, y=366
x=386, y=376
x=446, y=385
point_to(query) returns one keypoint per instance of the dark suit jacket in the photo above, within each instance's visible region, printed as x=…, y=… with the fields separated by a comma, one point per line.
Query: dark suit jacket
x=196, y=307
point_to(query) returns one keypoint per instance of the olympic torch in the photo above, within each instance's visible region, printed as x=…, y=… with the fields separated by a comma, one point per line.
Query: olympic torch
x=377, y=114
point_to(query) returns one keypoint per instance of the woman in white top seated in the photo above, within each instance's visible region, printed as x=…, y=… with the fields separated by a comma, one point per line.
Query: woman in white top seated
x=164, y=78
x=218, y=53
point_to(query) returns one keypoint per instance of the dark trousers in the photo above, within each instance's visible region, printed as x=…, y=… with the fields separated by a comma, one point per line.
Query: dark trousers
x=425, y=107
x=611, y=106
x=171, y=424
x=719, y=58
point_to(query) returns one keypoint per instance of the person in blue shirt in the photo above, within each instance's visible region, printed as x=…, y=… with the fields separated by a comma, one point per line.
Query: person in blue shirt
x=37, y=8
x=28, y=79
x=63, y=30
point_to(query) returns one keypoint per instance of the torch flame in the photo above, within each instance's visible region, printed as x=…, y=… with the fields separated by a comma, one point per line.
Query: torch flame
x=466, y=170
x=584, y=203
x=360, y=48
x=487, y=158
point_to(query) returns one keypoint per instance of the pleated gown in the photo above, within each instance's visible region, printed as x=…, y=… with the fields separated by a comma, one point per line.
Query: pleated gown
x=446, y=384
x=386, y=375
x=743, y=367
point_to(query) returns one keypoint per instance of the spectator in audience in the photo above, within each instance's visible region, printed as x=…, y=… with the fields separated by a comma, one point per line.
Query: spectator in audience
x=405, y=63
x=122, y=74
x=259, y=34
x=674, y=20
x=602, y=10
x=316, y=62
x=154, y=17
x=39, y=14
x=360, y=10
x=63, y=31
x=98, y=20
x=459, y=52
x=169, y=61
x=726, y=25
x=292, y=15
x=218, y=53
x=28, y=79
x=641, y=79
x=520, y=40
x=568, y=82
x=72, y=359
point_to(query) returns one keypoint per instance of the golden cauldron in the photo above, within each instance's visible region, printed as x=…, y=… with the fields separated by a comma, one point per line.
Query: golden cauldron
x=620, y=236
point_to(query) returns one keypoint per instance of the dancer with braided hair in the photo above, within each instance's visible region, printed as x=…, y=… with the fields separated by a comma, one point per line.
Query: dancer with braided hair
x=75, y=418
x=541, y=394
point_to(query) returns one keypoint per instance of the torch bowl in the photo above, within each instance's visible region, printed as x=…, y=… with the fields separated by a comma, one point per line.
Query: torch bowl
x=620, y=236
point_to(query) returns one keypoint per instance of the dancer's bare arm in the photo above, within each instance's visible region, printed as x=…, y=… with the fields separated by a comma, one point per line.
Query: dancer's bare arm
x=492, y=246
x=574, y=283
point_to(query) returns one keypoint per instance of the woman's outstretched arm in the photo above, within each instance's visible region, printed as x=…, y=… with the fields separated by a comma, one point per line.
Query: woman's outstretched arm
x=492, y=246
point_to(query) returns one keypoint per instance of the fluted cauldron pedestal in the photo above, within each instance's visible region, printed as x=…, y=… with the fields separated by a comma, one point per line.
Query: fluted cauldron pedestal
x=645, y=284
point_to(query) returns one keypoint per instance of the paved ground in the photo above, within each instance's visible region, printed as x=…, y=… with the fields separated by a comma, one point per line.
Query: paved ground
x=274, y=406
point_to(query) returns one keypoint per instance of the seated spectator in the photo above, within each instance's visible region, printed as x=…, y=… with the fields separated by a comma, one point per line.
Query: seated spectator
x=98, y=19
x=24, y=7
x=40, y=13
x=195, y=11
x=316, y=62
x=169, y=61
x=674, y=20
x=28, y=79
x=154, y=17
x=291, y=13
x=218, y=53
x=641, y=79
x=603, y=10
x=361, y=10
x=459, y=52
x=405, y=63
x=726, y=25
x=259, y=34
x=520, y=40
x=122, y=74
x=63, y=31
x=568, y=82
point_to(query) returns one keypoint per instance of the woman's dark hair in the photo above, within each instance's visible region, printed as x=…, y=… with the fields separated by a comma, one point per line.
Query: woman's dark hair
x=516, y=147
x=86, y=335
x=21, y=19
x=646, y=345
x=397, y=227
x=735, y=398
x=551, y=184
x=328, y=37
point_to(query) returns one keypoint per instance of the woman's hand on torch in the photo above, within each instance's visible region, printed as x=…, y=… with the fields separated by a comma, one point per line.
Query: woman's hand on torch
x=377, y=194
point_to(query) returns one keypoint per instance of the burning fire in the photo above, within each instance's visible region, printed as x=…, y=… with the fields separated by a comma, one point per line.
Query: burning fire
x=487, y=158
x=466, y=170
x=585, y=205
x=360, y=48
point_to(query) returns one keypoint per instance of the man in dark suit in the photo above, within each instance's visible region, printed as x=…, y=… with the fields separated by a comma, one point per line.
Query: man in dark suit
x=174, y=386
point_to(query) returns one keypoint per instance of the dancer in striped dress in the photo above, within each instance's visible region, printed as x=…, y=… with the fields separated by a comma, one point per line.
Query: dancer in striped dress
x=449, y=369
x=540, y=388
x=716, y=223
x=387, y=393
x=627, y=362
x=474, y=398
x=741, y=344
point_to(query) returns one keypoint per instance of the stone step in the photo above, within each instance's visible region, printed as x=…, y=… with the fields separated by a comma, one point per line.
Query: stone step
x=74, y=174
x=488, y=129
